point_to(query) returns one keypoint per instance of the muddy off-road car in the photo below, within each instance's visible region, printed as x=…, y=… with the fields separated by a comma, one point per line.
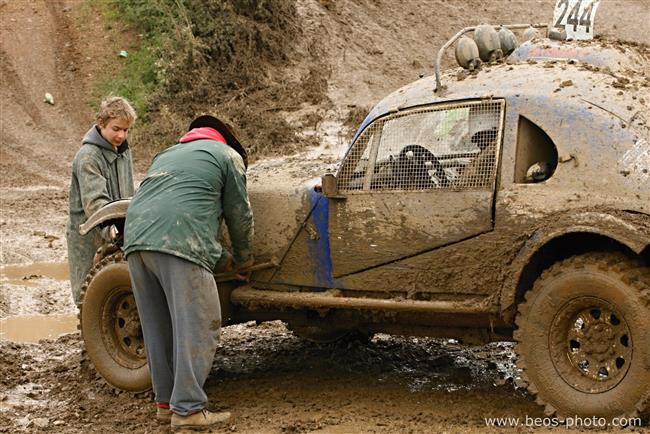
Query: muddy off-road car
x=504, y=202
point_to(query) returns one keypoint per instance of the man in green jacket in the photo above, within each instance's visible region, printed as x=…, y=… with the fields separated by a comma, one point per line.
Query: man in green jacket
x=172, y=247
x=102, y=171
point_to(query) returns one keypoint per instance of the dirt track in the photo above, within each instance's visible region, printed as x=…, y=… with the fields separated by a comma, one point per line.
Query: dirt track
x=272, y=381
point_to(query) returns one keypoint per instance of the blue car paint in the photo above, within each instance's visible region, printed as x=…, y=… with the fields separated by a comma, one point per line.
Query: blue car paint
x=535, y=52
x=319, y=249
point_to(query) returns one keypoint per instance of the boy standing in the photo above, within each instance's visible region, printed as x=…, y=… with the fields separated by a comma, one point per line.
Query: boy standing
x=102, y=171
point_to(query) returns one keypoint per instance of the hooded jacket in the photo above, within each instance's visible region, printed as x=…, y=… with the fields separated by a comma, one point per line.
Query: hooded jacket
x=99, y=175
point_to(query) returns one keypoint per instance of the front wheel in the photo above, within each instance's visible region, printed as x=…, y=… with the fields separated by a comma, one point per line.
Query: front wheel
x=110, y=326
x=583, y=338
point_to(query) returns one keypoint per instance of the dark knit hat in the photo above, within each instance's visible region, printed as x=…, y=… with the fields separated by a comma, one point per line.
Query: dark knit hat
x=224, y=129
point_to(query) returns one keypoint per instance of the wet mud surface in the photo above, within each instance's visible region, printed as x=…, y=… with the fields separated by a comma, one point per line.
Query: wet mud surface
x=40, y=288
x=275, y=382
x=33, y=328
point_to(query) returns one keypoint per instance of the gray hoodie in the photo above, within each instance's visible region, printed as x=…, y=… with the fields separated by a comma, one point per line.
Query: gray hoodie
x=99, y=175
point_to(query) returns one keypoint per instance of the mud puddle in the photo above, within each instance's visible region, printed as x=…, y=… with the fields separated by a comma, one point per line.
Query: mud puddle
x=28, y=274
x=33, y=328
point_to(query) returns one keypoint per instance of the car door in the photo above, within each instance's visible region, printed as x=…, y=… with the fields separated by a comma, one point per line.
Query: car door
x=413, y=181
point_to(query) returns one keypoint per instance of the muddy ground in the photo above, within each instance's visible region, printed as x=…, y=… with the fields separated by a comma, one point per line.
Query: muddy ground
x=274, y=382
x=271, y=380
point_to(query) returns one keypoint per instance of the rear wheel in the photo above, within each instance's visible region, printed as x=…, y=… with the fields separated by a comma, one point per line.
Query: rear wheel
x=110, y=326
x=583, y=338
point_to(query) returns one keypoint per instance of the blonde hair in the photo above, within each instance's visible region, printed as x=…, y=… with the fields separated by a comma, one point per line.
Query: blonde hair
x=116, y=107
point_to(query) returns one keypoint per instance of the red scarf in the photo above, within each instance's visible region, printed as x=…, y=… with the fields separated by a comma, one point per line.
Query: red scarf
x=202, y=133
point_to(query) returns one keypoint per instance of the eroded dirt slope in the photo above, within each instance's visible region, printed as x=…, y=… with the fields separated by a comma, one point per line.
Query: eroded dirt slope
x=58, y=47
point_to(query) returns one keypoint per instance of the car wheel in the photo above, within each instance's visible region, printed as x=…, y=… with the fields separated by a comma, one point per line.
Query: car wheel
x=110, y=326
x=583, y=337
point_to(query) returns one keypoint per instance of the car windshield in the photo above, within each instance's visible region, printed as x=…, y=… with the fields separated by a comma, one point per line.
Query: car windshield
x=425, y=147
x=440, y=132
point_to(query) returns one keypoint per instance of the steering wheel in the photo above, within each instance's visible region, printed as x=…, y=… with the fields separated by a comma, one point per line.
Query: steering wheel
x=416, y=166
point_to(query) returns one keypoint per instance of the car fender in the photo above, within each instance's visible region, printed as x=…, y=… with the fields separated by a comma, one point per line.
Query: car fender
x=636, y=237
x=115, y=210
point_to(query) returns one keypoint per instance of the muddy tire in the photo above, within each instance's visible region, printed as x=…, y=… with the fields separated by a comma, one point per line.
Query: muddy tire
x=583, y=337
x=110, y=326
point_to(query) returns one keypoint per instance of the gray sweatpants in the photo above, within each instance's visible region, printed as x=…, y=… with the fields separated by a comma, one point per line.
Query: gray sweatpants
x=180, y=315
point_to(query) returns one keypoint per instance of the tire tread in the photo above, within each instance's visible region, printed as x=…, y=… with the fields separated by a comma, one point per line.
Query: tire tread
x=631, y=272
x=85, y=362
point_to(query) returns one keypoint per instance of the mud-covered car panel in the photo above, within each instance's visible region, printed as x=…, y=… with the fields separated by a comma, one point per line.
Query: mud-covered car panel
x=628, y=229
x=397, y=198
x=366, y=231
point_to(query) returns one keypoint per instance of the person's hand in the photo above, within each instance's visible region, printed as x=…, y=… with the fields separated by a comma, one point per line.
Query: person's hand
x=103, y=251
x=241, y=272
x=113, y=232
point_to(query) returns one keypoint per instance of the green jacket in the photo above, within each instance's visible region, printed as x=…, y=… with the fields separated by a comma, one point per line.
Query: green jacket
x=99, y=176
x=179, y=207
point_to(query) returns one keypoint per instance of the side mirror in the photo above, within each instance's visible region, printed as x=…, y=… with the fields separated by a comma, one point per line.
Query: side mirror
x=329, y=185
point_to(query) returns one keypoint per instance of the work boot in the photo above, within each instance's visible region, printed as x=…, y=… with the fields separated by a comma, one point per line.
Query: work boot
x=199, y=420
x=163, y=414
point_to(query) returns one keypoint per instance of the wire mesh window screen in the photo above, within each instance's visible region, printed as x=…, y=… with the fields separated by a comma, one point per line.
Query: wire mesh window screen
x=353, y=171
x=452, y=147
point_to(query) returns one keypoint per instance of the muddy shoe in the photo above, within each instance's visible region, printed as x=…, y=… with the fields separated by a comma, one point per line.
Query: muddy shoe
x=199, y=420
x=163, y=414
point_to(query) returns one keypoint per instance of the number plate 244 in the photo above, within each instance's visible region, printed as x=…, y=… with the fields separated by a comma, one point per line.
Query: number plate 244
x=576, y=17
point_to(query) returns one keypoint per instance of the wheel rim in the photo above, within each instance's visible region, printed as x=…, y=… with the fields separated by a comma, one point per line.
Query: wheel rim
x=121, y=329
x=591, y=345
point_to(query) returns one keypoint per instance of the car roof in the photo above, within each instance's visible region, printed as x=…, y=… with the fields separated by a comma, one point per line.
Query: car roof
x=607, y=74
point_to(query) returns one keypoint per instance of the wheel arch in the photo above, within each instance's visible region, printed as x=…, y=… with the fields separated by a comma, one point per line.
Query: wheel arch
x=546, y=247
x=111, y=213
